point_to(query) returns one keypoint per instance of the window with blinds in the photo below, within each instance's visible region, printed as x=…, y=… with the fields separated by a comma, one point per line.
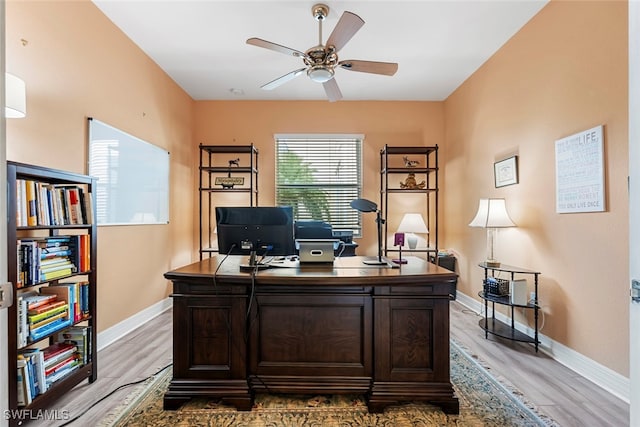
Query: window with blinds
x=319, y=176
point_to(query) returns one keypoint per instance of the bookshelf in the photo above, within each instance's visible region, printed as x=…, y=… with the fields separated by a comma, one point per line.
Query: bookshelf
x=51, y=255
x=238, y=165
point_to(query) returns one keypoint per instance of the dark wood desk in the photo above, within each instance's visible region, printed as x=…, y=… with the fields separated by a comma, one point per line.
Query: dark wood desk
x=346, y=328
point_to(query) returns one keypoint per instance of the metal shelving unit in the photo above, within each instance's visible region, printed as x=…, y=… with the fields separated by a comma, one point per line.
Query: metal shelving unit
x=392, y=164
x=212, y=168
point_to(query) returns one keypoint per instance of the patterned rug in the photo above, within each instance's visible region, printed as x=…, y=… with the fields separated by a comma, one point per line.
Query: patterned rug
x=484, y=401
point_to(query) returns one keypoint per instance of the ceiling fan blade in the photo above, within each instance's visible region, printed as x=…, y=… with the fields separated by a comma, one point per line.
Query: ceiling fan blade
x=283, y=79
x=347, y=26
x=274, y=46
x=332, y=90
x=386, y=68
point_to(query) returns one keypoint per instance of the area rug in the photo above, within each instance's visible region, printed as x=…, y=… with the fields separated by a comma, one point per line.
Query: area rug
x=484, y=401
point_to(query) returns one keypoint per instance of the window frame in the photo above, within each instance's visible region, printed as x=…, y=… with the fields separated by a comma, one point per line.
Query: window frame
x=301, y=139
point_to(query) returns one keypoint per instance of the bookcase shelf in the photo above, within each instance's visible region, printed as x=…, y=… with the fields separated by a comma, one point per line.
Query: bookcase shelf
x=70, y=240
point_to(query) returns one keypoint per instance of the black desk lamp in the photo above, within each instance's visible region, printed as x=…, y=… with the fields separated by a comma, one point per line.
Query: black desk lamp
x=364, y=205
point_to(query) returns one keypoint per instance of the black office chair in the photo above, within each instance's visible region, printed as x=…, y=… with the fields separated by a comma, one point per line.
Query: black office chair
x=310, y=229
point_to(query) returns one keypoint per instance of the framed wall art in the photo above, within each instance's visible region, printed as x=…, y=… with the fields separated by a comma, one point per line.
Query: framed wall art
x=580, y=172
x=506, y=171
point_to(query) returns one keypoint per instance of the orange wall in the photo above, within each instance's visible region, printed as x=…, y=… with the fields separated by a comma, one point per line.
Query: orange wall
x=393, y=123
x=564, y=72
x=76, y=64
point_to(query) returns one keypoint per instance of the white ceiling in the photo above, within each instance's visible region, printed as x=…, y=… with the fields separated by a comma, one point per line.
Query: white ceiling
x=202, y=44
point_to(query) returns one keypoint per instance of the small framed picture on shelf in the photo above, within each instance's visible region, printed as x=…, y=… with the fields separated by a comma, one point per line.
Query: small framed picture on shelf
x=506, y=171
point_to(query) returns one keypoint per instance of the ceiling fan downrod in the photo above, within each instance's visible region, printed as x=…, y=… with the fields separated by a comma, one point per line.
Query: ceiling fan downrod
x=320, y=12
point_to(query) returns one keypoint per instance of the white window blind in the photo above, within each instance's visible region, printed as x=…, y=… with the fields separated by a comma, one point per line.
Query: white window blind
x=319, y=176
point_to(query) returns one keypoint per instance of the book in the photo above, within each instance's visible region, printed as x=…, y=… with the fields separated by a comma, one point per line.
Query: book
x=38, y=300
x=19, y=208
x=55, y=252
x=22, y=323
x=49, y=329
x=56, y=260
x=45, y=308
x=65, y=292
x=80, y=337
x=58, y=375
x=37, y=325
x=37, y=357
x=44, y=277
x=62, y=265
x=22, y=393
x=24, y=390
x=28, y=377
x=60, y=365
x=88, y=201
x=83, y=258
x=58, y=352
x=31, y=213
x=51, y=310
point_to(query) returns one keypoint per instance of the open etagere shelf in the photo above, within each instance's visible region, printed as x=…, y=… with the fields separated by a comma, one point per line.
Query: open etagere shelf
x=212, y=165
x=392, y=170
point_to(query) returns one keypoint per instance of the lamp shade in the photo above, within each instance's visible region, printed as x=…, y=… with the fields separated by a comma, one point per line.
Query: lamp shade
x=412, y=223
x=16, y=97
x=492, y=213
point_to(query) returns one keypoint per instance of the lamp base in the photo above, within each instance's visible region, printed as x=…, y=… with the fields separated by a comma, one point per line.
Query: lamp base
x=492, y=263
x=412, y=241
x=400, y=261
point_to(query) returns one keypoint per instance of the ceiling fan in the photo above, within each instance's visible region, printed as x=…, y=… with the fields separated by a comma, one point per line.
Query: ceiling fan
x=321, y=60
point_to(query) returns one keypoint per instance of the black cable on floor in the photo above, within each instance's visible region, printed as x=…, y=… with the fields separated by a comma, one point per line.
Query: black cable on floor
x=113, y=391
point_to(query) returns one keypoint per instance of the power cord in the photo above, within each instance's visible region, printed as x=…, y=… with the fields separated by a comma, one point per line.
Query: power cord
x=113, y=391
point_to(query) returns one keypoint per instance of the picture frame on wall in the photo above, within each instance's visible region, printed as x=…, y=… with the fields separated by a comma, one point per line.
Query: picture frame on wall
x=506, y=171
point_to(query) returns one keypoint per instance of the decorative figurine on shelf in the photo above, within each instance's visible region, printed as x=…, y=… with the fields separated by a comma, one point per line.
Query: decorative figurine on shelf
x=411, y=184
x=410, y=163
x=228, y=182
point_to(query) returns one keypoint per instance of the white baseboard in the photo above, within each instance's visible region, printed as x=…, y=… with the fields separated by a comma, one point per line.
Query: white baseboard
x=112, y=334
x=613, y=382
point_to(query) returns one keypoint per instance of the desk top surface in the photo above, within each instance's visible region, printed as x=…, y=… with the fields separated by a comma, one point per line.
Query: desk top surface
x=342, y=271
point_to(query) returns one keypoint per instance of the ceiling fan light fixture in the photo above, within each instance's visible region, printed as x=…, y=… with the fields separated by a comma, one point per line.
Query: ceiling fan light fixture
x=320, y=73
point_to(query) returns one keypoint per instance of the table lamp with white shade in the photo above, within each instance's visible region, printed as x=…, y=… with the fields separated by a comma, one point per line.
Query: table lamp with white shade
x=411, y=224
x=492, y=214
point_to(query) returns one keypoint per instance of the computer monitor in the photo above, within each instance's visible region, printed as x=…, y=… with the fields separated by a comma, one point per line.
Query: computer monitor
x=265, y=230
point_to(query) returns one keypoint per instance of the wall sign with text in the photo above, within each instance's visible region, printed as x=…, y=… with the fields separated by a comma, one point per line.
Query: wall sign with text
x=580, y=172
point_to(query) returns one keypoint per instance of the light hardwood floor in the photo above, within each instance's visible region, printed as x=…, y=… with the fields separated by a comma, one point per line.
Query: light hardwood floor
x=557, y=391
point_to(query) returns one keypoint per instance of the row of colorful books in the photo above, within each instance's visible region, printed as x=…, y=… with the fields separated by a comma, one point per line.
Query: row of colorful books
x=49, y=258
x=53, y=308
x=39, y=369
x=46, y=204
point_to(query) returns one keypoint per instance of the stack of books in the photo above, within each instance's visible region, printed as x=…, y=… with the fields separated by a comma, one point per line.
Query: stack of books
x=39, y=369
x=53, y=308
x=50, y=258
x=80, y=337
x=40, y=315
